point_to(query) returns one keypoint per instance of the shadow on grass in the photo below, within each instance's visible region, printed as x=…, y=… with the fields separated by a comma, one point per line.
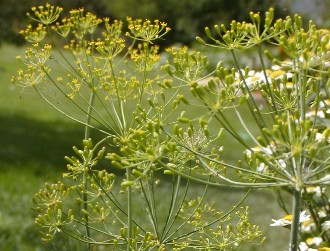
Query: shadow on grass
x=31, y=152
x=25, y=140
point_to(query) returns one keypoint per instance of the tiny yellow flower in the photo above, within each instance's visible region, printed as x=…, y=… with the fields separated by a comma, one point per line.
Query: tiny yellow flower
x=45, y=14
x=146, y=30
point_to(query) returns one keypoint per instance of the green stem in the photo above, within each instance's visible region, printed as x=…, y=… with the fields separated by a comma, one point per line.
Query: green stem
x=129, y=211
x=255, y=111
x=88, y=115
x=66, y=114
x=218, y=184
x=145, y=73
x=302, y=89
x=121, y=116
x=236, y=168
x=149, y=200
x=175, y=191
x=294, y=232
x=223, y=216
x=85, y=180
x=268, y=84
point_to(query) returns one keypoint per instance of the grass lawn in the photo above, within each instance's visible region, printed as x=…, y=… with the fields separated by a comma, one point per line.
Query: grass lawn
x=34, y=141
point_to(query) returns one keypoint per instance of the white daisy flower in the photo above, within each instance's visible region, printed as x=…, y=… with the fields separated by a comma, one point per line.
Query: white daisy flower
x=317, y=191
x=262, y=168
x=253, y=79
x=287, y=220
x=304, y=247
x=314, y=241
x=320, y=114
x=322, y=214
x=326, y=225
x=308, y=227
x=278, y=74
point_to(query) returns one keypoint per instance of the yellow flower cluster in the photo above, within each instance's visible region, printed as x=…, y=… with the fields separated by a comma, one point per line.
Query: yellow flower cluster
x=147, y=30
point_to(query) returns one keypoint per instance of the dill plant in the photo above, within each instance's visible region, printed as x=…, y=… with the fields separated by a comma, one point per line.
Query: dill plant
x=290, y=149
x=110, y=81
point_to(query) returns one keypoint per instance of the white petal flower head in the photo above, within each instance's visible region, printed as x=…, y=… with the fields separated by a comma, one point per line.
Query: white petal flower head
x=326, y=225
x=304, y=247
x=321, y=214
x=254, y=79
x=262, y=168
x=318, y=114
x=315, y=190
x=282, y=222
x=287, y=220
x=308, y=227
x=314, y=241
x=319, y=136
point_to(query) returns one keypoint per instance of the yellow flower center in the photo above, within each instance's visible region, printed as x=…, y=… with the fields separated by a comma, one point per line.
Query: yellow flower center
x=288, y=217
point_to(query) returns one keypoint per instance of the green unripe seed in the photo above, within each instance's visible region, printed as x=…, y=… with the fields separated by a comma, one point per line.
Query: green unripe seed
x=116, y=164
x=183, y=120
x=126, y=184
x=137, y=173
x=168, y=172
x=88, y=143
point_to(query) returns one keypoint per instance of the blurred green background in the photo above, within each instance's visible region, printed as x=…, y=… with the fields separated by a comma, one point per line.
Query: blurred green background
x=187, y=18
x=34, y=138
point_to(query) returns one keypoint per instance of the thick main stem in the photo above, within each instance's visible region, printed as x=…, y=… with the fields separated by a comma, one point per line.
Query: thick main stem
x=296, y=207
x=129, y=212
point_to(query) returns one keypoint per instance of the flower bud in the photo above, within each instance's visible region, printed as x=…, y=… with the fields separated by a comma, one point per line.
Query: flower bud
x=126, y=184
x=151, y=103
x=267, y=131
x=116, y=164
x=199, y=39
x=206, y=132
x=252, y=16
x=136, y=230
x=137, y=173
x=288, y=23
x=123, y=232
x=100, y=174
x=208, y=32
x=70, y=214
x=100, y=154
x=84, y=211
x=217, y=29
x=176, y=129
x=184, y=99
x=183, y=120
x=168, y=172
x=125, y=163
x=76, y=150
x=88, y=143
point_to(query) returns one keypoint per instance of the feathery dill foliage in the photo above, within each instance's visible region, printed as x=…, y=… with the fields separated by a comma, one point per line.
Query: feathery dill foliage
x=112, y=82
